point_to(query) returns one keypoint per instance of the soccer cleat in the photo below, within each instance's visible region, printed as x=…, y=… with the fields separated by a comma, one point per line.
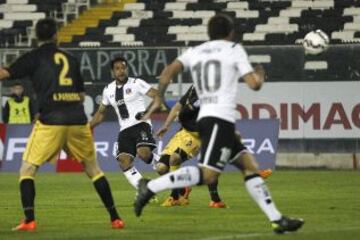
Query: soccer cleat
x=143, y=196
x=29, y=227
x=286, y=224
x=265, y=173
x=187, y=192
x=220, y=204
x=117, y=224
x=170, y=202
x=182, y=201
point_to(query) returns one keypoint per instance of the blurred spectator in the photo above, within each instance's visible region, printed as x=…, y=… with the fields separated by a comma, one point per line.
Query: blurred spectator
x=18, y=109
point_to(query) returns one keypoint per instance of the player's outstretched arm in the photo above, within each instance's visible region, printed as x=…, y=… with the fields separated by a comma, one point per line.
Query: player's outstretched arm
x=167, y=75
x=155, y=104
x=4, y=74
x=256, y=78
x=99, y=116
x=170, y=118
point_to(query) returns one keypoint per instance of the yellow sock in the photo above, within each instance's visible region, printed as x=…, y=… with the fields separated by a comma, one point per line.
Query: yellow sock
x=174, y=168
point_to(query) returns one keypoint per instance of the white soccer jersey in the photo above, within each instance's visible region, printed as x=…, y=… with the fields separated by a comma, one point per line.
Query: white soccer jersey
x=215, y=67
x=127, y=100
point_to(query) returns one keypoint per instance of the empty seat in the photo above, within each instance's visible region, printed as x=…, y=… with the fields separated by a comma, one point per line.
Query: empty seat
x=178, y=29
x=142, y=14
x=343, y=35
x=123, y=37
x=192, y=37
x=246, y=13
x=129, y=22
x=134, y=6
x=22, y=16
x=315, y=65
x=254, y=36
x=116, y=30
x=237, y=5
x=6, y=23
x=175, y=6
x=207, y=6
x=277, y=28
x=351, y=11
x=18, y=8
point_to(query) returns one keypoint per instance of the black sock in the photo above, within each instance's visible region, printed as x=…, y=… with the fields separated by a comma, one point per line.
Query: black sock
x=214, y=192
x=181, y=191
x=149, y=160
x=175, y=194
x=27, y=191
x=103, y=189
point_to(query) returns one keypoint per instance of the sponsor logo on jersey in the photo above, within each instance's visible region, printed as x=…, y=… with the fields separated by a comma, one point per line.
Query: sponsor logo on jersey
x=66, y=97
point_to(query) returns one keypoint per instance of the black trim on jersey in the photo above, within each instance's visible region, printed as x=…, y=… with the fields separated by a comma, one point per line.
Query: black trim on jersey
x=120, y=102
x=165, y=159
x=189, y=112
x=183, y=155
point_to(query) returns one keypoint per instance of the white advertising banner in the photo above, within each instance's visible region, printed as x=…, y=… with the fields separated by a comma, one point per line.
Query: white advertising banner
x=306, y=109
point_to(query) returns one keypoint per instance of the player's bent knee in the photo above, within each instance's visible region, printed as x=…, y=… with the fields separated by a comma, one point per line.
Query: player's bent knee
x=161, y=168
x=27, y=169
x=125, y=161
x=144, y=153
x=209, y=176
x=175, y=160
x=91, y=169
x=209, y=180
x=249, y=162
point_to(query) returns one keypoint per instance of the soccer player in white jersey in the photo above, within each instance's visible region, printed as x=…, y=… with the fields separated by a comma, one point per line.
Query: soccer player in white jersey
x=216, y=66
x=126, y=95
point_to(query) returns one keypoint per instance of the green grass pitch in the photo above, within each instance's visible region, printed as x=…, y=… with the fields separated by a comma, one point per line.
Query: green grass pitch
x=67, y=207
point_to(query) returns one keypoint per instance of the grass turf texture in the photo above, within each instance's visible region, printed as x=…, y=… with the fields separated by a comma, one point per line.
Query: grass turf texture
x=67, y=207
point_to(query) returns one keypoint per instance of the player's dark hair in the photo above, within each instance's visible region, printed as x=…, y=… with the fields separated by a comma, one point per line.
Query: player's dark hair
x=118, y=59
x=45, y=29
x=220, y=26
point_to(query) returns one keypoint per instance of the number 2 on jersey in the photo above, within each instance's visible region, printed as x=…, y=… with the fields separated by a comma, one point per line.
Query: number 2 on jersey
x=60, y=58
x=204, y=75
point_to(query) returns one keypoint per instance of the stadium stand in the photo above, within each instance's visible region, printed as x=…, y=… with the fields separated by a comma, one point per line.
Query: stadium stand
x=17, y=17
x=180, y=22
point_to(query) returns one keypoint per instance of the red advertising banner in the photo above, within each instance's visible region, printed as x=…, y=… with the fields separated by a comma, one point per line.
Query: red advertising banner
x=68, y=165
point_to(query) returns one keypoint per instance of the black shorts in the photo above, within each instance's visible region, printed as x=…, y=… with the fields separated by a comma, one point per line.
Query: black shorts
x=219, y=145
x=133, y=137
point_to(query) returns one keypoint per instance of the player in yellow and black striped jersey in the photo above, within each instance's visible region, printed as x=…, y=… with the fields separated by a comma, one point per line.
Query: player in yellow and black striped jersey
x=55, y=75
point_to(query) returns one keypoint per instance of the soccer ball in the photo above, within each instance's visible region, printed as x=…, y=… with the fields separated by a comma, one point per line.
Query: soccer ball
x=316, y=42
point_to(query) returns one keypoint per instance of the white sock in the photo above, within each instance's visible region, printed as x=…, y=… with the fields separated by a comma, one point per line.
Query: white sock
x=183, y=177
x=257, y=189
x=133, y=176
x=155, y=160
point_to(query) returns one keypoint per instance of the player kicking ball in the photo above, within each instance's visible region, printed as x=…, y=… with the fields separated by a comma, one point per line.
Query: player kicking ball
x=185, y=145
x=216, y=66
